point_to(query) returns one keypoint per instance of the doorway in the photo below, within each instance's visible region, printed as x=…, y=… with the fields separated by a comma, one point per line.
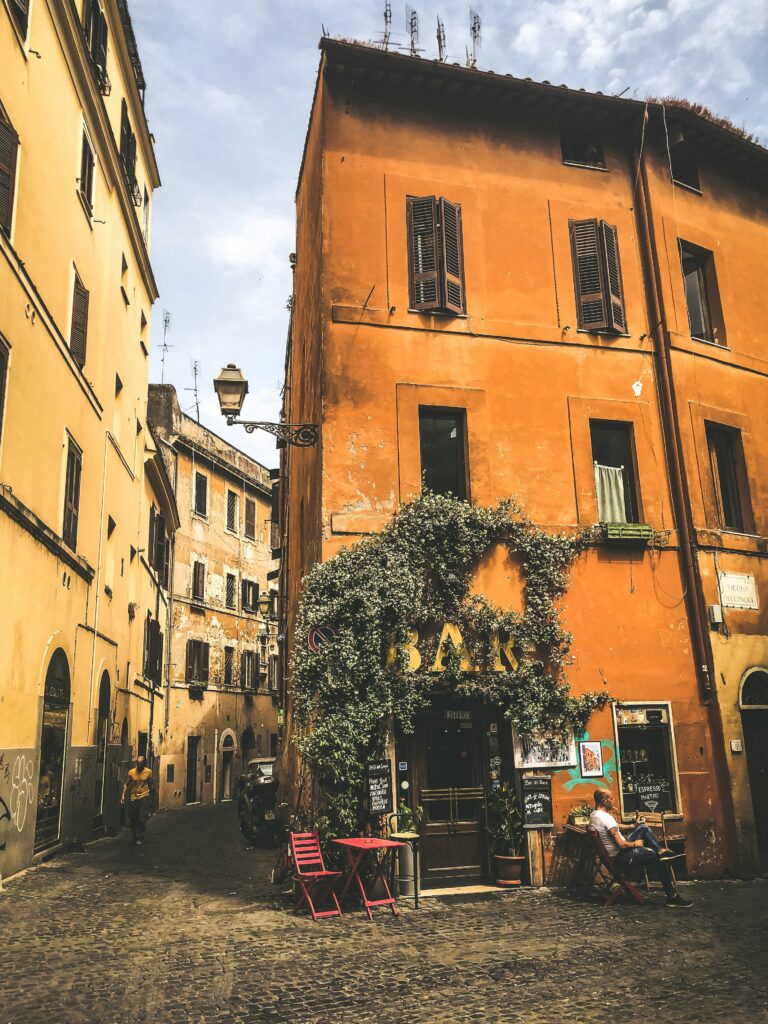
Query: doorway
x=102, y=736
x=193, y=744
x=227, y=764
x=53, y=747
x=754, y=718
x=448, y=783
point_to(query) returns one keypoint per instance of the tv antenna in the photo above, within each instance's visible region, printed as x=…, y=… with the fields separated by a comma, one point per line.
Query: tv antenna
x=412, y=26
x=441, y=48
x=166, y=347
x=194, y=388
x=474, y=31
x=387, y=24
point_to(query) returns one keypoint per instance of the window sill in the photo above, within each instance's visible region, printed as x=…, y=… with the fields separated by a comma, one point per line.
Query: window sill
x=715, y=344
x=688, y=188
x=202, y=516
x=585, y=167
x=602, y=333
x=439, y=312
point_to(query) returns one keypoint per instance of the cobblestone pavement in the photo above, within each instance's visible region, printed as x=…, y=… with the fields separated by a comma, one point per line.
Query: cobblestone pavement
x=187, y=930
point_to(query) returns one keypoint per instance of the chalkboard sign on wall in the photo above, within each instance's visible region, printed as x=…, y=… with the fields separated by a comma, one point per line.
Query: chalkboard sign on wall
x=537, y=801
x=379, y=788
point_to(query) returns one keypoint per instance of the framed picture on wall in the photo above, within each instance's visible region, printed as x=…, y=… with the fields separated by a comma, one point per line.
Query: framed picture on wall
x=591, y=759
x=542, y=751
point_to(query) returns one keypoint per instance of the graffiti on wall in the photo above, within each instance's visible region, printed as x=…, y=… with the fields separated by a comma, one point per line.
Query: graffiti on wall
x=17, y=775
x=609, y=768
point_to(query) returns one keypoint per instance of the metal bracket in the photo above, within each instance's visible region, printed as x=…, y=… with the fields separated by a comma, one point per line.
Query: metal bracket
x=301, y=435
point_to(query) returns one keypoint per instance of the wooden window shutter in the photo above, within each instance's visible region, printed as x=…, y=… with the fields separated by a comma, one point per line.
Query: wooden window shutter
x=589, y=279
x=275, y=512
x=451, y=256
x=152, y=531
x=9, y=145
x=79, y=333
x=205, y=655
x=423, y=274
x=3, y=382
x=250, y=518
x=614, y=298
x=244, y=594
x=190, y=671
x=198, y=580
x=244, y=669
x=100, y=48
x=159, y=549
x=86, y=173
x=72, y=496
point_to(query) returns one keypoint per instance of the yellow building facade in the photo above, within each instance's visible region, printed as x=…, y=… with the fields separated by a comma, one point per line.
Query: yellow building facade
x=221, y=706
x=77, y=172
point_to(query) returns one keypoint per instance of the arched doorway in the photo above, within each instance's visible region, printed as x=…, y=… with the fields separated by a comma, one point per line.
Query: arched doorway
x=227, y=765
x=53, y=750
x=753, y=701
x=102, y=736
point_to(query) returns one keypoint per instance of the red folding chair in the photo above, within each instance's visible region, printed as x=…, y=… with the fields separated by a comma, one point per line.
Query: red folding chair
x=311, y=876
x=609, y=876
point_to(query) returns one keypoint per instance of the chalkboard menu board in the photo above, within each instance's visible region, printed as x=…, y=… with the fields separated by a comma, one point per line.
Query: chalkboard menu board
x=537, y=801
x=379, y=788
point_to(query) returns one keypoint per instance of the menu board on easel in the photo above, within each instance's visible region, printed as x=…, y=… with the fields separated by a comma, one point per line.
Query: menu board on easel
x=379, y=777
x=537, y=801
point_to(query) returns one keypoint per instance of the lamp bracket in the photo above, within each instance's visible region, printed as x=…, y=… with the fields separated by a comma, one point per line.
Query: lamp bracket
x=301, y=435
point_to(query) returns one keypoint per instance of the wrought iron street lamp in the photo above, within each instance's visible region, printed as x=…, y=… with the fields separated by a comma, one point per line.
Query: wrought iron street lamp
x=231, y=388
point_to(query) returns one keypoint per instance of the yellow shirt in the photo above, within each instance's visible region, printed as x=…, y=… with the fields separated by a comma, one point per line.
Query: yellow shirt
x=139, y=782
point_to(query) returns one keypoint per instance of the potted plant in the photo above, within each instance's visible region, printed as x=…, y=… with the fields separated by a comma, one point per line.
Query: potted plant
x=505, y=835
x=579, y=814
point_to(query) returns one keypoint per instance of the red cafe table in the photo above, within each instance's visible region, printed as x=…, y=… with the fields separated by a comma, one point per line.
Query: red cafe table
x=356, y=848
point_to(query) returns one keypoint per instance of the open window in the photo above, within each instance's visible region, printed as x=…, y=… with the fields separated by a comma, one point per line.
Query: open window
x=198, y=655
x=582, y=145
x=683, y=159
x=442, y=436
x=647, y=759
x=435, y=255
x=705, y=315
x=729, y=474
x=201, y=494
x=613, y=457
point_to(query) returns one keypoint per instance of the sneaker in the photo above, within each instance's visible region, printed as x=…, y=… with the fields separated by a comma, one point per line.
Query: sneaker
x=667, y=854
x=679, y=903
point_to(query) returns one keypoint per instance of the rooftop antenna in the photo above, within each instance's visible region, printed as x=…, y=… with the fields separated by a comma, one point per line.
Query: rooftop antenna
x=412, y=25
x=194, y=389
x=387, y=23
x=441, y=48
x=474, y=31
x=166, y=347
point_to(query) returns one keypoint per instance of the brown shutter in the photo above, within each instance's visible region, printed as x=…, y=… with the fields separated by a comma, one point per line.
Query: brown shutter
x=451, y=256
x=9, y=145
x=79, y=333
x=423, y=277
x=159, y=551
x=100, y=49
x=190, y=661
x=243, y=670
x=588, y=275
x=72, y=496
x=204, y=660
x=152, y=531
x=244, y=594
x=3, y=382
x=275, y=513
x=86, y=173
x=198, y=584
x=250, y=518
x=617, y=320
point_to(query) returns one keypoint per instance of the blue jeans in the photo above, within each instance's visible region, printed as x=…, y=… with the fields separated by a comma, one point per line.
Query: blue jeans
x=645, y=857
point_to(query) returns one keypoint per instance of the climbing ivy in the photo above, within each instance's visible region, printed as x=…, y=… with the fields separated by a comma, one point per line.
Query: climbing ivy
x=416, y=574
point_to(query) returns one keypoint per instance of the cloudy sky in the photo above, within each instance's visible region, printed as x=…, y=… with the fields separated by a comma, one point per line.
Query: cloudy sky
x=229, y=91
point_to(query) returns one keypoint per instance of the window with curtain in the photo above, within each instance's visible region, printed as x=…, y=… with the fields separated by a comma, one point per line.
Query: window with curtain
x=613, y=458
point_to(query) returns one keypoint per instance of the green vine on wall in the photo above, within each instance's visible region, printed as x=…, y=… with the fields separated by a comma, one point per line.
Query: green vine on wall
x=416, y=574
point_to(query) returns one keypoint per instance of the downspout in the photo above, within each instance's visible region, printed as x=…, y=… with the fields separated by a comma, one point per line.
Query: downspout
x=98, y=582
x=694, y=590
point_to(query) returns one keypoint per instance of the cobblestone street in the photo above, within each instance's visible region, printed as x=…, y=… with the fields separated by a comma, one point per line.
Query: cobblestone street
x=188, y=929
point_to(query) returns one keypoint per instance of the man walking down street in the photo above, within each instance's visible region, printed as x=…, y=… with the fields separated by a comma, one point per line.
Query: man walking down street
x=136, y=791
x=640, y=848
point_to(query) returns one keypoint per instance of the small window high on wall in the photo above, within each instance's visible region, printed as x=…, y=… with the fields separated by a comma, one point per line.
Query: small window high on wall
x=729, y=473
x=705, y=317
x=646, y=759
x=442, y=435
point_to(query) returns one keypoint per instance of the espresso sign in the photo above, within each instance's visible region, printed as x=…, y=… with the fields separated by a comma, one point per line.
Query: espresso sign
x=379, y=788
x=537, y=801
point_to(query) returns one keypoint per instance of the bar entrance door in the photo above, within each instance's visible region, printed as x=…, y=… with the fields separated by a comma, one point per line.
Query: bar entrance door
x=449, y=785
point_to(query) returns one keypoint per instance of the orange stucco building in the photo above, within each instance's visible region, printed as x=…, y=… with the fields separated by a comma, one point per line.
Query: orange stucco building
x=523, y=289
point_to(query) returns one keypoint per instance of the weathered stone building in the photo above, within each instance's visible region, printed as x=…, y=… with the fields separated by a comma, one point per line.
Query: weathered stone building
x=222, y=701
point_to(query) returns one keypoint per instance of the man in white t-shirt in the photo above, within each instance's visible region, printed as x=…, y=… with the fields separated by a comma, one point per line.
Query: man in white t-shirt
x=640, y=848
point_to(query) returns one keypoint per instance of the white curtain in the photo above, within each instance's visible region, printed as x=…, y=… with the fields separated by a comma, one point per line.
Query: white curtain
x=609, y=487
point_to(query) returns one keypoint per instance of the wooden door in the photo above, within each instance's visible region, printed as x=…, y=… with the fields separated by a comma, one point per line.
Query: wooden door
x=449, y=786
x=192, y=745
x=755, y=723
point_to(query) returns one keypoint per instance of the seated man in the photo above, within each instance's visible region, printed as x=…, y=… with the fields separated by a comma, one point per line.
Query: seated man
x=639, y=848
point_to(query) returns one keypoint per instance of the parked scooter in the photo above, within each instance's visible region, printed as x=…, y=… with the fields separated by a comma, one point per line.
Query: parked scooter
x=257, y=803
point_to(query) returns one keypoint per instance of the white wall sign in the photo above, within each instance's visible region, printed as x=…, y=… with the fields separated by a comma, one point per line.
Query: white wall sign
x=738, y=590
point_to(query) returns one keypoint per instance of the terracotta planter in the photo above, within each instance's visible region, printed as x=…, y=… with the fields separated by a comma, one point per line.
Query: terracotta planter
x=508, y=869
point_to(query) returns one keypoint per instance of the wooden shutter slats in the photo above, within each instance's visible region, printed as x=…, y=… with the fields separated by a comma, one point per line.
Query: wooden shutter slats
x=422, y=252
x=452, y=256
x=79, y=333
x=615, y=296
x=72, y=495
x=588, y=275
x=3, y=382
x=250, y=518
x=9, y=145
x=190, y=670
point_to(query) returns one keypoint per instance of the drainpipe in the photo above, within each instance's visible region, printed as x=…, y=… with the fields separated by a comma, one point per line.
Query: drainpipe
x=694, y=591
